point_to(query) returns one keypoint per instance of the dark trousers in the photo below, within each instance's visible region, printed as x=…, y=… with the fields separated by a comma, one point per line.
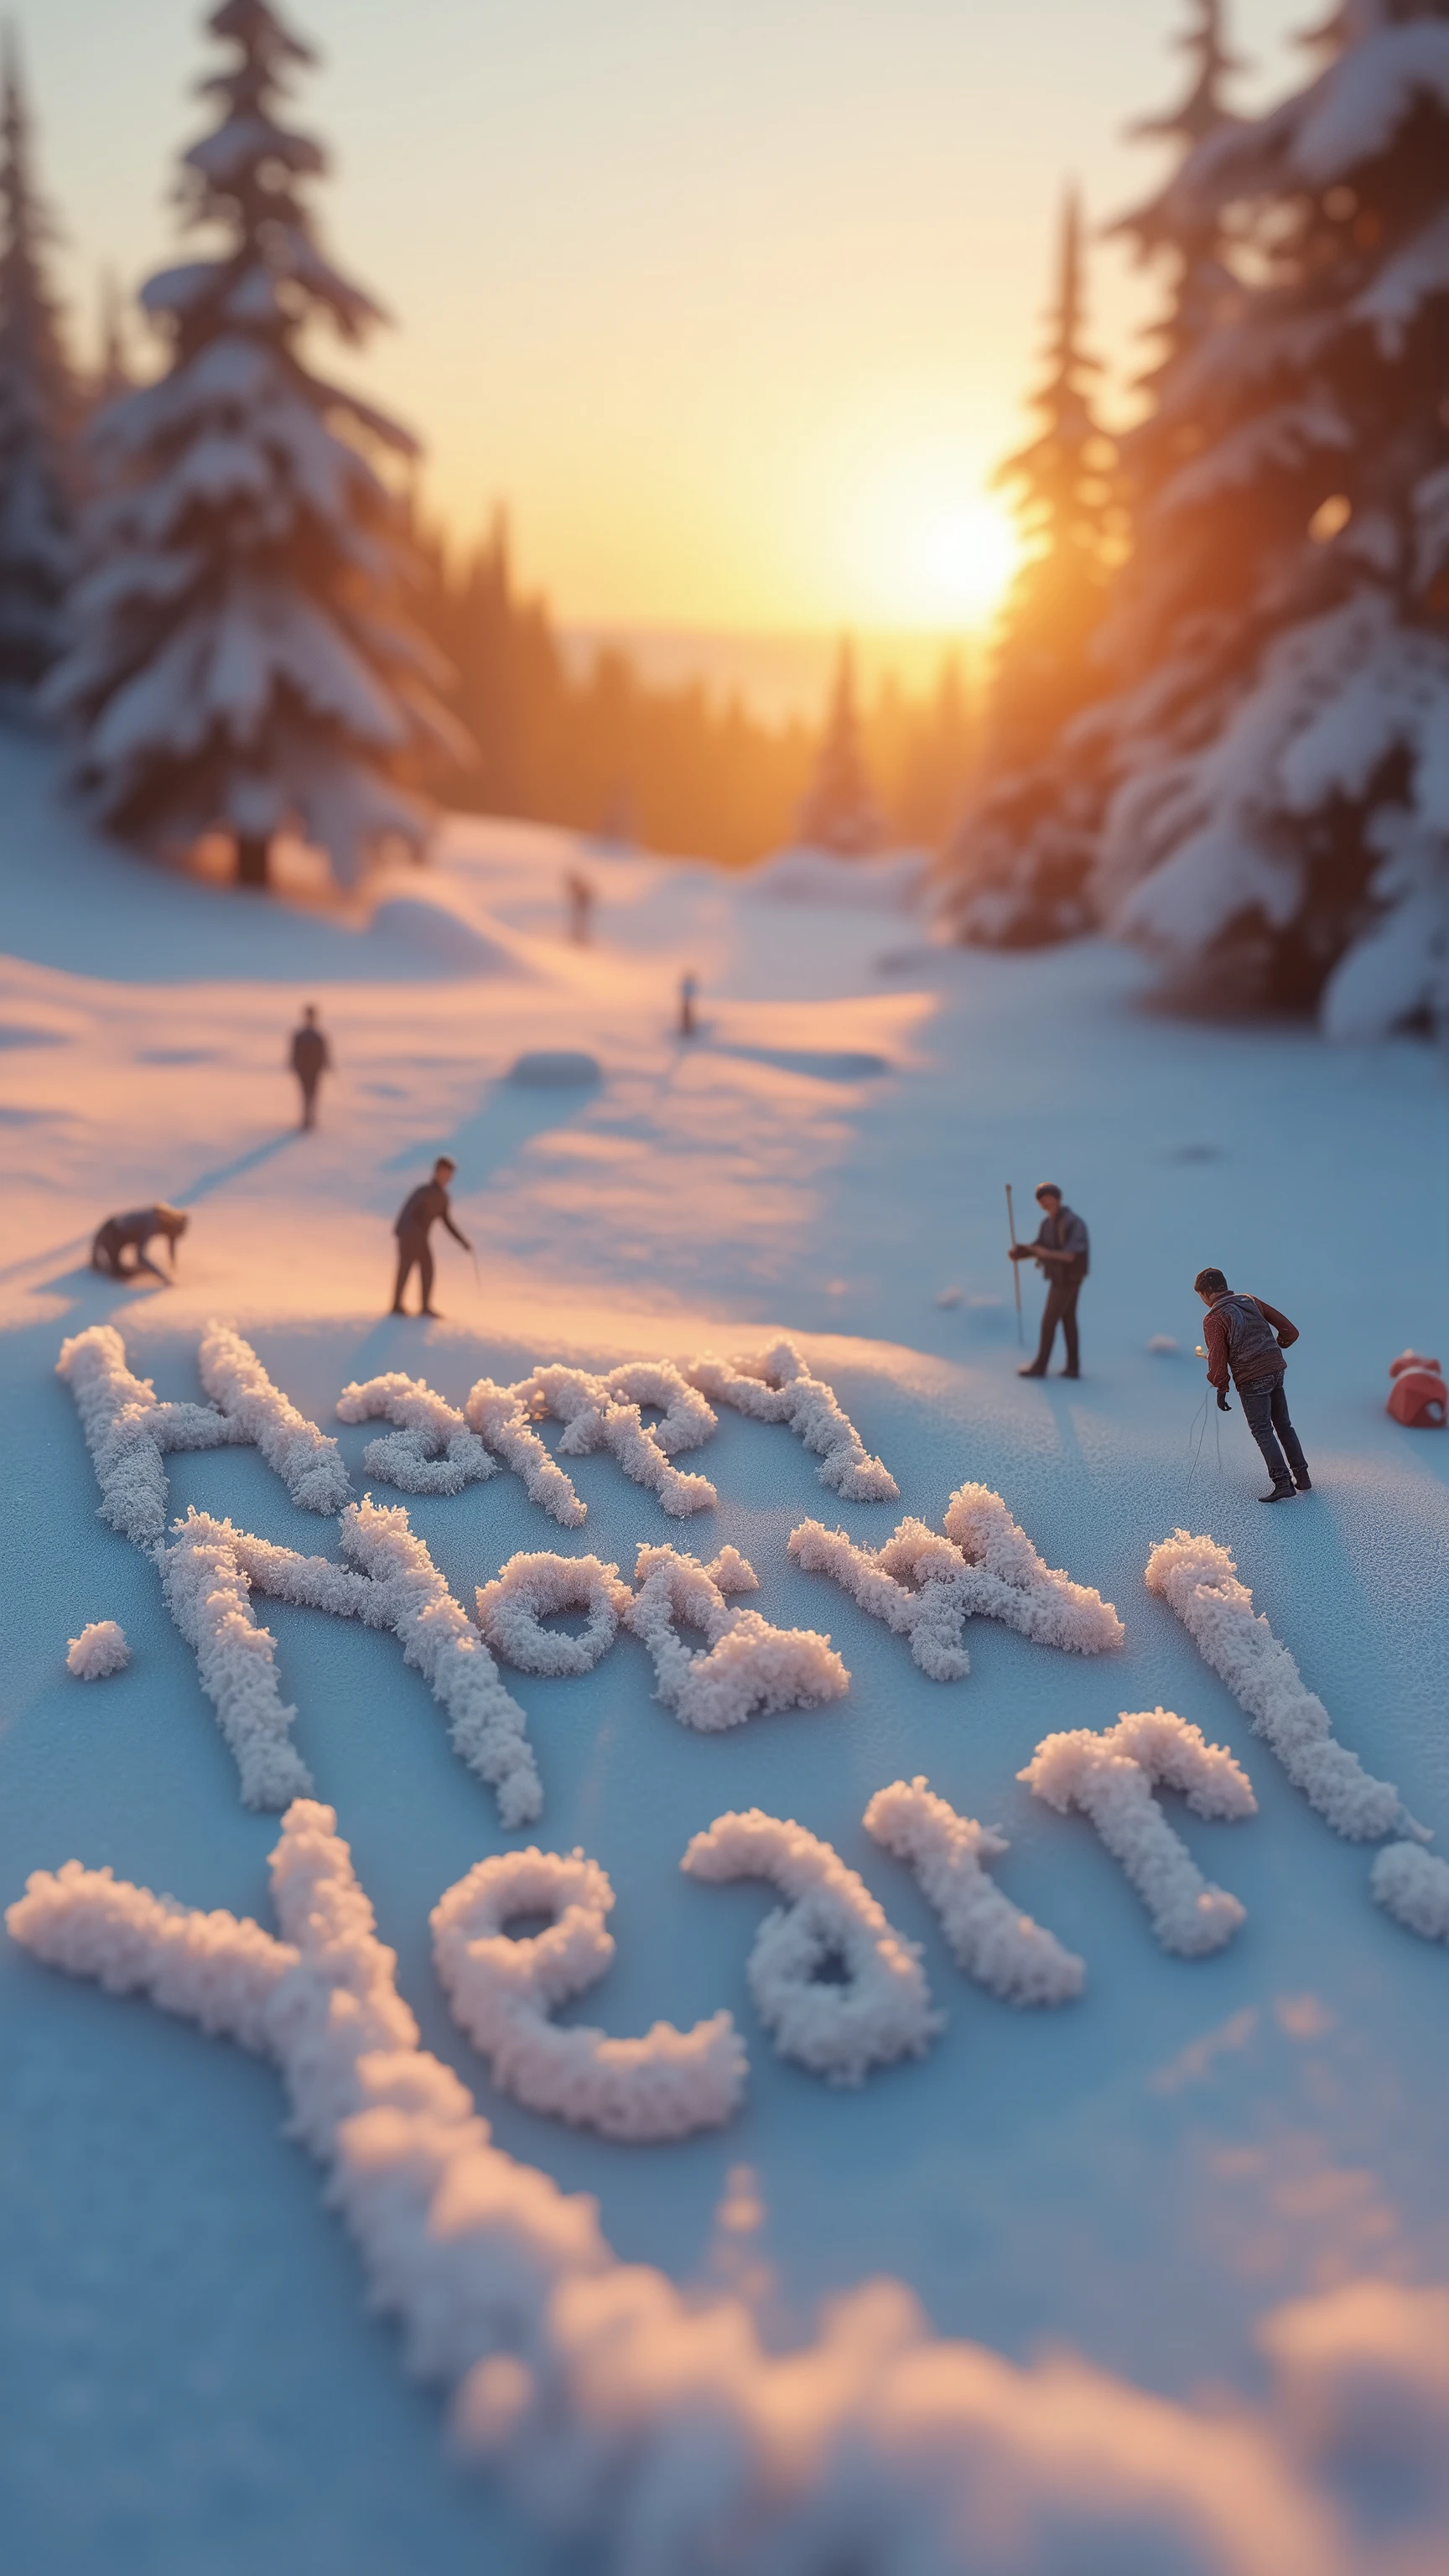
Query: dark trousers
x=1265, y=1411
x=1061, y=1308
x=309, y=1098
x=414, y=1252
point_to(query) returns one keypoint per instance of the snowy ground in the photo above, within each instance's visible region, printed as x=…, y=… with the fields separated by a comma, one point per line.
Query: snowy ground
x=1144, y=2176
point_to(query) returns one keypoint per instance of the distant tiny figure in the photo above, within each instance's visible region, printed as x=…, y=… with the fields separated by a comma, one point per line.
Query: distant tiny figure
x=1061, y=1253
x=1244, y=1339
x=416, y=1218
x=579, y=895
x=132, y=1233
x=688, y=996
x=310, y=1058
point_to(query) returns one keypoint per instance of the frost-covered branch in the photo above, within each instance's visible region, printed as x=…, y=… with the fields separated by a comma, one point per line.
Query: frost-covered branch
x=1198, y=1579
x=431, y=1452
x=128, y=1433
x=666, y=2085
x=1002, y=1948
x=524, y=1593
x=389, y=1581
x=308, y=1462
x=747, y=1668
x=838, y=1988
x=1111, y=1778
x=98, y=1651
x=926, y=1587
x=610, y=2402
x=777, y=1386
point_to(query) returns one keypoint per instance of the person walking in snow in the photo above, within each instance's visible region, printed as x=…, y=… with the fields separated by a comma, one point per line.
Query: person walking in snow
x=1244, y=1339
x=580, y=897
x=132, y=1233
x=310, y=1058
x=416, y=1218
x=1060, y=1251
x=688, y=996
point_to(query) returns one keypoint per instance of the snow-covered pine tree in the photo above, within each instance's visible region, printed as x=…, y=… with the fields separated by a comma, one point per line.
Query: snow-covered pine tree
x=240, y=664
x=1015, y=868
x=38, y=407
x=838, y=811
x=1297, y=845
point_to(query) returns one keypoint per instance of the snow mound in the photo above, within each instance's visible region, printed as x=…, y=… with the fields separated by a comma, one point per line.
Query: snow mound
x=1413, y=1886
x=1198, y=1579
x=432, y=1452
x=669, y=2084
x=528, y=1588
x=891, y=884
x=746, y=1668
x=877, y=2008
x=925, y=1587
x=1163, y=1346
x=437, y=932
x=1111, y=1778
x=563, y=1067
x=99, y=1650
x=1003, y=1949
x=776, y=1385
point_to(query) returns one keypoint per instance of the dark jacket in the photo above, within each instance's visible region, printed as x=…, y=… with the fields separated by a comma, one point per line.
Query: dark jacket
x=1064, y=1232
x=311, y=1055
x=1239, y=1338
x=423, y=1210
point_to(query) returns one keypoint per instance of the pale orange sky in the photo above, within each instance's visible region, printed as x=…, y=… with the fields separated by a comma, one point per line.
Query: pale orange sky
x=734, y=302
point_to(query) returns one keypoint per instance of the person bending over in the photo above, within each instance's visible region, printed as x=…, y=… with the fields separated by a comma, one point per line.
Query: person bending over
x=1060, y=1252
x=132, y=1233
x=1245, y=1339
x=416, y=1219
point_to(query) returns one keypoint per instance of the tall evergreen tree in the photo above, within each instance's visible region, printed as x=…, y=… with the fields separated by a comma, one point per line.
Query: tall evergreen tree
x=1292, y=837
x=1016, y=865
x=838, y=811
x=38, y=403
x=240, y=664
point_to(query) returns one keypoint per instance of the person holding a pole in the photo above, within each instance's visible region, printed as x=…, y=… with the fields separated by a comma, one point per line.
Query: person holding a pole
x=418, y=1215
x=1060, y=1252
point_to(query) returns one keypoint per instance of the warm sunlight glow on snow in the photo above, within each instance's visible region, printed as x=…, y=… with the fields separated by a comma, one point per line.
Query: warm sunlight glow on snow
x=924, y=549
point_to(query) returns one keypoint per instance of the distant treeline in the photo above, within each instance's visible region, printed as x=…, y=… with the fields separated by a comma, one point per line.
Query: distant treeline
x=676, y=767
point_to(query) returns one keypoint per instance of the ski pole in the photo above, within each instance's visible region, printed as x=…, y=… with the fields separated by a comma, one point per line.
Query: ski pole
x=1016, y=1265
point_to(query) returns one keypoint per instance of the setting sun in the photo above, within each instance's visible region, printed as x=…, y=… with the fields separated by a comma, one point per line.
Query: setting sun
x=924, y=549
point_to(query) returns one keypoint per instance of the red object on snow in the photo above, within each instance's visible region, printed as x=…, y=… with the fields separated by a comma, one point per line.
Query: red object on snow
x=1418, y=1397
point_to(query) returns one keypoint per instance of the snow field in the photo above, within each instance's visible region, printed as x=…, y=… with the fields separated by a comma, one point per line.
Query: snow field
x=746, y=1668
x=1198, y=1579
x=668, y=2084
x=989, y=1938
x=926, y=1587
x=528, y=1588
x=1111, y=1777
x=776, y=1385
x=596, y=2388
x=431, y=1452
x=99, y=1650
x=876, y=2008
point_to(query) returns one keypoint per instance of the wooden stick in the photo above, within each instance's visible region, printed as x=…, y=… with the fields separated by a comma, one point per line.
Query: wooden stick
x=1016, y=1265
